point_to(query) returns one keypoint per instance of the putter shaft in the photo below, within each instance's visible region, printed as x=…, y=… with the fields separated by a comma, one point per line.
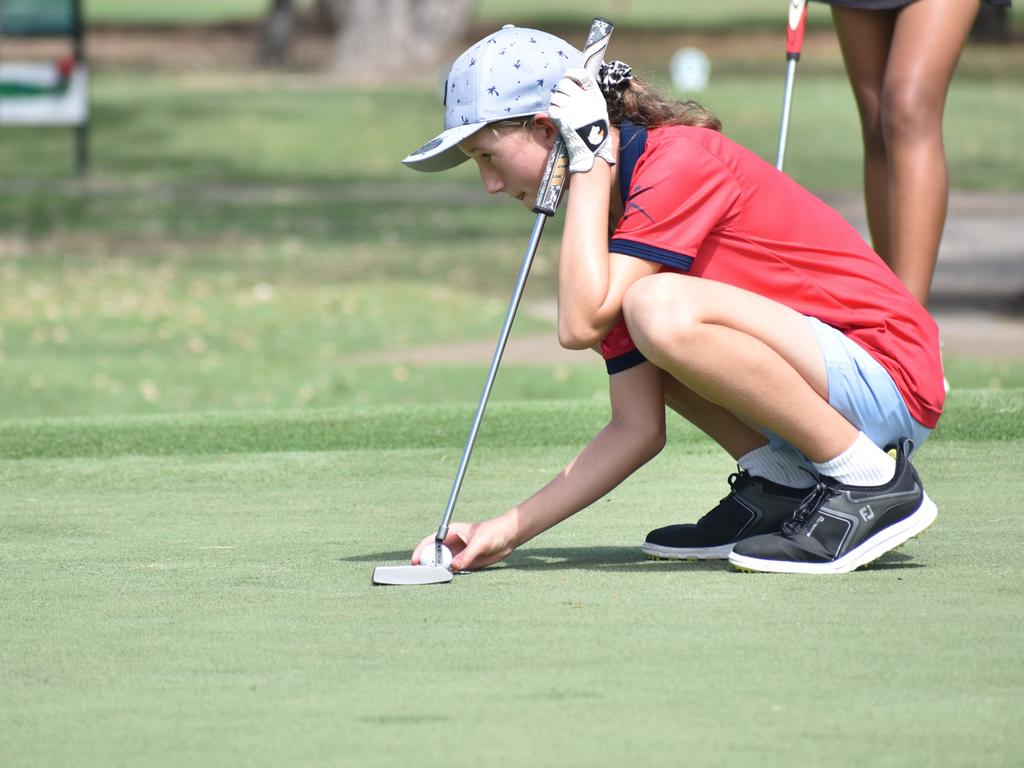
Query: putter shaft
x=506, y=329
x=549, y=195
x=787, y=102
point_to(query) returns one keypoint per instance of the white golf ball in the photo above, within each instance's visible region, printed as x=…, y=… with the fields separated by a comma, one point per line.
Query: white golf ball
x=429, y=553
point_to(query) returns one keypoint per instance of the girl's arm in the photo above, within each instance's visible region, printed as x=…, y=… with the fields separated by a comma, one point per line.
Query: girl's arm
x=633, y=436
x=591, y=282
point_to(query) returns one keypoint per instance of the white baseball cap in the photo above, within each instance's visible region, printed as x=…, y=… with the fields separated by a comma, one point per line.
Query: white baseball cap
x=510, y=73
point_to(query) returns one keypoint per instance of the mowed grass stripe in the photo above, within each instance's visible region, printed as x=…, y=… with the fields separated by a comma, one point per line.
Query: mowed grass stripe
x=970, y=415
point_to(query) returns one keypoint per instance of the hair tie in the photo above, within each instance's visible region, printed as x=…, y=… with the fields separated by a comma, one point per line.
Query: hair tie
x=614, y=78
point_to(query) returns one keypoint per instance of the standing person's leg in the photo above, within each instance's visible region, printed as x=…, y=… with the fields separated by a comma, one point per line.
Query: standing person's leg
x=865, y=39
x=926, y=44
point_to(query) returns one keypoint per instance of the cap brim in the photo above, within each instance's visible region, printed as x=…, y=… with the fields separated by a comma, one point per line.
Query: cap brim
x=442, y=152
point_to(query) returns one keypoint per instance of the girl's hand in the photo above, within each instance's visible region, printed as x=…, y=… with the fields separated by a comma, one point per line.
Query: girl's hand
x=474, y=545
x=579, y=110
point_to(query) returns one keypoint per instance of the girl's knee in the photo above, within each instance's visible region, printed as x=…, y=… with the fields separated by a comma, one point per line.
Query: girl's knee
x=660, y=311
x=635, y=299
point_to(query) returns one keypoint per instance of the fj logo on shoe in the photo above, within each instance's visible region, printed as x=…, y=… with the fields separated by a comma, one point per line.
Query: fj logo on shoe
x=818, y=521
x=594, y=134
x=866, y=513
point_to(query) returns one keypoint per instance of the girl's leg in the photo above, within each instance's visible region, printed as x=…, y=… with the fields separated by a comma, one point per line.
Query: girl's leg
x=758, y=501
x=750, y=448
x=753, y=357
x=926, y=43
x=736, y=437
x=762, y=361
x=865, y=39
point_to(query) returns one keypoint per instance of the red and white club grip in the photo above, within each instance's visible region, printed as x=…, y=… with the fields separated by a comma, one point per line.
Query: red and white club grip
x=795, y=28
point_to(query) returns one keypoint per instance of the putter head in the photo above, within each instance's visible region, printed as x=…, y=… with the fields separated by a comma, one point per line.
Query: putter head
x=407, y=575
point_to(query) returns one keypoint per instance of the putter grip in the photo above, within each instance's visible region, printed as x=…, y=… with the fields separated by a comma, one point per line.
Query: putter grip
x=795, y=28
x=556, y=173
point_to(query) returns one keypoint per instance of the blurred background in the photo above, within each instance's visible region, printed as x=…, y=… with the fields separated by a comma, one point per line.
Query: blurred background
x=234, y=228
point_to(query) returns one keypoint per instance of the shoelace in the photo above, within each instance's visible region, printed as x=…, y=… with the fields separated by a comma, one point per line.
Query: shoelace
x=811, y=503
x=737, y=480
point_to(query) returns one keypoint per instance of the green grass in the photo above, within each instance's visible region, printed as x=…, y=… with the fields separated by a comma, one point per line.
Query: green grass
x=140, y=303
x=160, y=128
x=824, y=150
x=233, y=128
x=177, y=12
x=971, y=415
x=217, y=261
x=206, y=266
x=195, y=590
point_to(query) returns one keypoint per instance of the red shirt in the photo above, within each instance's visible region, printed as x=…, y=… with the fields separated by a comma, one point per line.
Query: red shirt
x=702, y=205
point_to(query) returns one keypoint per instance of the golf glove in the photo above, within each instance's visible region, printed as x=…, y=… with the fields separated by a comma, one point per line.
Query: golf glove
x=579, y=110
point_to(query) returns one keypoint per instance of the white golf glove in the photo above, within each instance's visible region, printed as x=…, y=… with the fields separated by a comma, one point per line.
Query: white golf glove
x=579, y=110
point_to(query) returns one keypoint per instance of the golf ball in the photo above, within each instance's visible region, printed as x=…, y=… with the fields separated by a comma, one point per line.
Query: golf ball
x=429, y=553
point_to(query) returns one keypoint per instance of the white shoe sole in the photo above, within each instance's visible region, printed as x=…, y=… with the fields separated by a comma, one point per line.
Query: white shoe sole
x=672, y=553
x=868, y=551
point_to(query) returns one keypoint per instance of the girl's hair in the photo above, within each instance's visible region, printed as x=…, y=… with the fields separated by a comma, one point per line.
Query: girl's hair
x=645, y=106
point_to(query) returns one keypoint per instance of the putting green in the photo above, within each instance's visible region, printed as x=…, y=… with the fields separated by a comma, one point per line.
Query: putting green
x=196, y=590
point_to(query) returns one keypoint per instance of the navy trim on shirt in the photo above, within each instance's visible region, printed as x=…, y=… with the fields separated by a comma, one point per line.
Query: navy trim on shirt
x=624, y=362
x=632, y=143
x=651, y=253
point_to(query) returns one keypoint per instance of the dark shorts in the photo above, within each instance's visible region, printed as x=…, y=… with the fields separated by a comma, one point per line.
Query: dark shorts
x=886, y=5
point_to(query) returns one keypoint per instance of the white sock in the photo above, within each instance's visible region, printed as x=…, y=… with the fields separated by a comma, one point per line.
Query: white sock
x=863, y=463
x=782, y=466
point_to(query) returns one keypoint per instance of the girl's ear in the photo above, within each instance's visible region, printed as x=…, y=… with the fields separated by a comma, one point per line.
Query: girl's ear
x=544, y=129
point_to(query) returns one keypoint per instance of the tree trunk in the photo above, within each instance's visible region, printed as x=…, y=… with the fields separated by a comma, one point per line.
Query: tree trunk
x=381, y=39
x=277, y=33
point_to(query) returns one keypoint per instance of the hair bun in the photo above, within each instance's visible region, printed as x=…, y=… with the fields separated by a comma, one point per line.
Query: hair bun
x=614, y=78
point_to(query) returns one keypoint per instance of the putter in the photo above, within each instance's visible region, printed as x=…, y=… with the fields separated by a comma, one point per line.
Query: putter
x=548, y=197
x=794, y=42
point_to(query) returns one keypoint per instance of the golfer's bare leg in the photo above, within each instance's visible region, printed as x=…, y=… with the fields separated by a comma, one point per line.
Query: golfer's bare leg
x=752, y=356
x=735, y=436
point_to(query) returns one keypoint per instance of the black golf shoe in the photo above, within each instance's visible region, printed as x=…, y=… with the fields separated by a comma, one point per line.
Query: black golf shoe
x=754, y=506
x=841, y=527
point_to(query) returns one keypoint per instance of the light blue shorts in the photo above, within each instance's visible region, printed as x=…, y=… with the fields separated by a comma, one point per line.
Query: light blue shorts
x=863, y=391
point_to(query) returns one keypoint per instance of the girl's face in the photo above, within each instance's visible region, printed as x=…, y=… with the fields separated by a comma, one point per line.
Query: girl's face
x=512, y=159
